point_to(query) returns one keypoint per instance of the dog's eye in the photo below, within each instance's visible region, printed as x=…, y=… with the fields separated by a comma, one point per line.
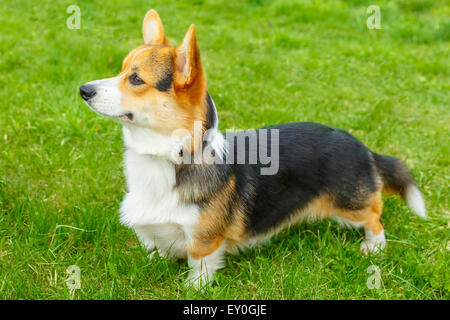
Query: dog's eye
x=135, y=80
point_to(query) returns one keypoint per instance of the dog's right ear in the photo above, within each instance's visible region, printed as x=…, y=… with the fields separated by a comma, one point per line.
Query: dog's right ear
x=153, y=30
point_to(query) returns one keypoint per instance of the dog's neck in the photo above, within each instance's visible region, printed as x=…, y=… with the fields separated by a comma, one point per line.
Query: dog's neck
x=145, y=141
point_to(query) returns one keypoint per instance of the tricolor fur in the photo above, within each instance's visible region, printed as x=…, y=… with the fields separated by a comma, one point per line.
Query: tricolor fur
x=201, y=210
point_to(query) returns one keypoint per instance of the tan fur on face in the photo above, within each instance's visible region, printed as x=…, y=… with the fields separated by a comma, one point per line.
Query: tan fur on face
x=184, y=103
x=165, y=114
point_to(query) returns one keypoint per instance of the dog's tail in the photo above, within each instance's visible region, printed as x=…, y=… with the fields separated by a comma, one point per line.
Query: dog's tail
x=396, y=179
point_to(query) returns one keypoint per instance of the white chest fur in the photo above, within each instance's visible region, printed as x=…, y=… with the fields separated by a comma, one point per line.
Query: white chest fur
x=152, y=207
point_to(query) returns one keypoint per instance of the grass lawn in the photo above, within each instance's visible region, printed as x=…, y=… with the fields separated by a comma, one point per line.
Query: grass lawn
x=267, y=62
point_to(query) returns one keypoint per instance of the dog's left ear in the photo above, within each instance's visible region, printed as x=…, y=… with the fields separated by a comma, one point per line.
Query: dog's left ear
x=187, y=60
x=153, y=30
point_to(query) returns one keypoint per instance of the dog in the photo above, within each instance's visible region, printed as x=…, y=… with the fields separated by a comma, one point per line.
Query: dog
x=199, y=211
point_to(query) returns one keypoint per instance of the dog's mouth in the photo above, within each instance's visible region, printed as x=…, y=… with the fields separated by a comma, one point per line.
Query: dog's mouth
x=126, y=116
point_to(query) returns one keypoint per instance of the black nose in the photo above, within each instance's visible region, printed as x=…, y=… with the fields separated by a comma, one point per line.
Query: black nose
x=87, y=91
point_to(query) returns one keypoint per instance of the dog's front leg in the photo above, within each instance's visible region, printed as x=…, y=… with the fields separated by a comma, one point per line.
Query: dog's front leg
x=205, y=257
x=148, y=243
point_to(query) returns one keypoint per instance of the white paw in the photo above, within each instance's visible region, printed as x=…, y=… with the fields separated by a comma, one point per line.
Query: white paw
x=157, y=252
x=198, y=281
x=372, y=246
x=373, y=243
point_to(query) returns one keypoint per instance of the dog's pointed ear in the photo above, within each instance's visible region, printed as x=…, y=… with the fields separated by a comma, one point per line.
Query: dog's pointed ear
x=187, y=60
x=153, y=30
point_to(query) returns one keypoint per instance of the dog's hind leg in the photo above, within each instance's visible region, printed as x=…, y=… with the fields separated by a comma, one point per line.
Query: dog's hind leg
x=369, y=219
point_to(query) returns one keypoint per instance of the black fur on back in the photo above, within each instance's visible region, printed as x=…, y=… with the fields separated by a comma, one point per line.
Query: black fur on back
x=314, y=160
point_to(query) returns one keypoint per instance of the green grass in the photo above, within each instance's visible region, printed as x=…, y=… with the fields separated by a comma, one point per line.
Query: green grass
x=267, y=62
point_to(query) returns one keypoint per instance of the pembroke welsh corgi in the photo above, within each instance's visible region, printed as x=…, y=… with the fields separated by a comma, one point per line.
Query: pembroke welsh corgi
x=197, y=193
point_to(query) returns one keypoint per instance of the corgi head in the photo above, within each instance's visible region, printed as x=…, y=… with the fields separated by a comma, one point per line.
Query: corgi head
x=160, y=87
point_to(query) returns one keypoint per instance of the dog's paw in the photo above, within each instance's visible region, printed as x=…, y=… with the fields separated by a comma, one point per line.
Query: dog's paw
x=158, y=253
x=198, y=282
x=372, y=246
